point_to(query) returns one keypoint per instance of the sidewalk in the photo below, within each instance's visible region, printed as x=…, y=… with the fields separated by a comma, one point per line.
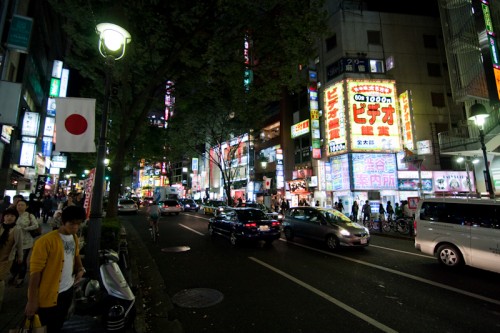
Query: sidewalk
x=152, y=303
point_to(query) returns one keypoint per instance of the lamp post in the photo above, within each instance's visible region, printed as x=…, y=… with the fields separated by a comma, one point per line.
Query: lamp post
x=112, y=43
x=478, y=114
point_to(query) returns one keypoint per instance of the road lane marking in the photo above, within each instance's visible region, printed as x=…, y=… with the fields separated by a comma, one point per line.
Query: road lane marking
x=191, y=229
x=329, y=298
x=409, y=276
x=405, y=252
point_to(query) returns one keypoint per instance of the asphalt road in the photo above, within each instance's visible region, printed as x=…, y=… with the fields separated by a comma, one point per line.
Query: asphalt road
x=302, y=287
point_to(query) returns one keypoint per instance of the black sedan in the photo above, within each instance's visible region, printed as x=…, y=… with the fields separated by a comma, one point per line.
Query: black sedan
x=239, y=224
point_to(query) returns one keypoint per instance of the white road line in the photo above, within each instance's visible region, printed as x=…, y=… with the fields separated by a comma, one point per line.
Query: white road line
x=404, y=252
x=409, y=276
x=191, y=229
x=335, y=301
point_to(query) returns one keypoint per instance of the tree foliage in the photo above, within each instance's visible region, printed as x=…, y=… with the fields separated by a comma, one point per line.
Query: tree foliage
x=199, y=46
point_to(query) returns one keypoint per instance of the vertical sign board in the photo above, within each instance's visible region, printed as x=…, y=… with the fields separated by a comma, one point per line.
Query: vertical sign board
x=314, y=115
x=40, y=186
x=20, y=33
x=335, y=120
x=407, y=124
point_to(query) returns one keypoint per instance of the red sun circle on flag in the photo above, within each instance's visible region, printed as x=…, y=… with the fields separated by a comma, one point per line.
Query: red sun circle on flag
x=76, y=124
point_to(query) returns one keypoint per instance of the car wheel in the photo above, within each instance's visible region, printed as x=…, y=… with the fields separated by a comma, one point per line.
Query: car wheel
x=332, y=242
x=449, y=256
x=233, y=239
x=288, y=234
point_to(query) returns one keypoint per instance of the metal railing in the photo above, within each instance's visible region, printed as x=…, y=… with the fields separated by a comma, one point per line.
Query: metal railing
x=467, y=137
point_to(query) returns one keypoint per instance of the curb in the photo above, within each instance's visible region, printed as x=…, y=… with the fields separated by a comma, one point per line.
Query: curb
x=152, y=303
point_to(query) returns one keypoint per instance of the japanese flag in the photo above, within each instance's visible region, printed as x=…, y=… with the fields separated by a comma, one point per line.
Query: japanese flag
x=75, y=125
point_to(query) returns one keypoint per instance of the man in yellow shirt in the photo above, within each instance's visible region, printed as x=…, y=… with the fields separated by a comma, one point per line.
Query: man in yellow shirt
x=55, y=266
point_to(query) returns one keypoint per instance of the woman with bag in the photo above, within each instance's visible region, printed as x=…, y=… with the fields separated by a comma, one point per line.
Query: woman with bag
x=11, y=244
x=27, y=222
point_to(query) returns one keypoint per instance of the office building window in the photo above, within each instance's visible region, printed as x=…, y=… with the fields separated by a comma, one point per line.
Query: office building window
x=331, y=43
x=438, y=100
x=374, y=37
x=433, y=70
x=430, y=42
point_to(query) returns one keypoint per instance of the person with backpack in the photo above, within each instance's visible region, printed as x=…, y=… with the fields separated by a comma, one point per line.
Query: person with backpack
x=154, y=215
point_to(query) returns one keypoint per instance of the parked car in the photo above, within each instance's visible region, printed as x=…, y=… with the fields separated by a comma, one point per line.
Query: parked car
x=270, y=213
x=147, y=201
x=189, y=205
x=170, y=207
x=127, y=206
x=323, y=224
x=239, y=224
x=214, y=207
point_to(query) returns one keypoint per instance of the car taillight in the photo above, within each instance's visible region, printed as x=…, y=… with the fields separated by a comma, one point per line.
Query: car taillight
x=275, y=224
x=250, y=225
x=414, y=227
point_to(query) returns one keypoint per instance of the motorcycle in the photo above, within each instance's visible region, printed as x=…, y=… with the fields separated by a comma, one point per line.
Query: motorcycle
x=115, y=303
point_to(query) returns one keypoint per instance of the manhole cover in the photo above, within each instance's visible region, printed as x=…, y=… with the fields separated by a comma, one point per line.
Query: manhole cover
x=197, y=298
x=176, y=249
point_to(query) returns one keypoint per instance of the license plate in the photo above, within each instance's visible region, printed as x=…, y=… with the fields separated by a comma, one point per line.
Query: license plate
x=264, y=228
x=364, y=240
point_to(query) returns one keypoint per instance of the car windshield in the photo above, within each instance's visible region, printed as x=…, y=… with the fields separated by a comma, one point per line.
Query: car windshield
x=170, y=203
x=334, y=216
x=251, y=214
x=188, y=201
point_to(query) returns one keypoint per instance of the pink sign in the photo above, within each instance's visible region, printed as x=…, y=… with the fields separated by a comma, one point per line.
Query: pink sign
x=453, y=181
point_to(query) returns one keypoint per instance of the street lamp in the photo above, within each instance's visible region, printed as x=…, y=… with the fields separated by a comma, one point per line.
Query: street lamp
x=112, y=44
x=478, y=114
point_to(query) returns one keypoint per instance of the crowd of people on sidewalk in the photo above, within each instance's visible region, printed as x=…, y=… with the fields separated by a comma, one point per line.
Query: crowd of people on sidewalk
x=52, y=259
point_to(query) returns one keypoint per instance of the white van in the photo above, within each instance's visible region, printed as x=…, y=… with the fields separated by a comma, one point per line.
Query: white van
x=460, y=231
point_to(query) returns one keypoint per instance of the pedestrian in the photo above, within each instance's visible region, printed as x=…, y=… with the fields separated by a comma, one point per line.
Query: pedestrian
x=34, y=205
x=55, y=267
x=354, y=211
x=25, y=222
x=398, y=212
x=70, y=201
x=336, y=205
x=284, y=206
x=11, y=246
x=5, y=203
x=47, y=208
x=15, y=199
x=317, y=203
x=381, y=216
x=389, y=210
x=367, y=211
x=340, y=206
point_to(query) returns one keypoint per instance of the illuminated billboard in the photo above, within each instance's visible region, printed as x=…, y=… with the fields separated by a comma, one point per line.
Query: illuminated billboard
x=374, y=171
x=373, y=116
x=335, y=120
x=405, y=105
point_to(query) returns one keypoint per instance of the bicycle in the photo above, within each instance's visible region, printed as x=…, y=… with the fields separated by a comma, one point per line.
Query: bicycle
x=153, y=229
x=400, y=225
x=368, y=223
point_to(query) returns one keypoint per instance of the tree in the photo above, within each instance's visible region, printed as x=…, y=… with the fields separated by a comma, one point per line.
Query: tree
x=197, y=45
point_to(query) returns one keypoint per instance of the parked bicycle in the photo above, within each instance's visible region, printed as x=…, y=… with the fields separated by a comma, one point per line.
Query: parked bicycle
x=401, y=225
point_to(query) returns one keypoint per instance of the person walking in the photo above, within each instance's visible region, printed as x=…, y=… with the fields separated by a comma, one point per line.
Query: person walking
x=340, y=206
x=389, y=210
x=354, y=211
x=381, y=216
x=11, y=246
x=367, y=211
x=398, y=211
x=26, y=222
x=47, y=208
x=55, y=267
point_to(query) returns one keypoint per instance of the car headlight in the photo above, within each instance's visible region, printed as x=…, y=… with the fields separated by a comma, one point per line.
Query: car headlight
x=280, y=216
x=344, y=232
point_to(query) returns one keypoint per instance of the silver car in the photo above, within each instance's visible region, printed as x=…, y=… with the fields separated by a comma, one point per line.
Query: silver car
x=326, y=225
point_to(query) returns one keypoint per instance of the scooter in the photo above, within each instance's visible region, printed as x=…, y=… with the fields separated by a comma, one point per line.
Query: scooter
x=115, y=303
